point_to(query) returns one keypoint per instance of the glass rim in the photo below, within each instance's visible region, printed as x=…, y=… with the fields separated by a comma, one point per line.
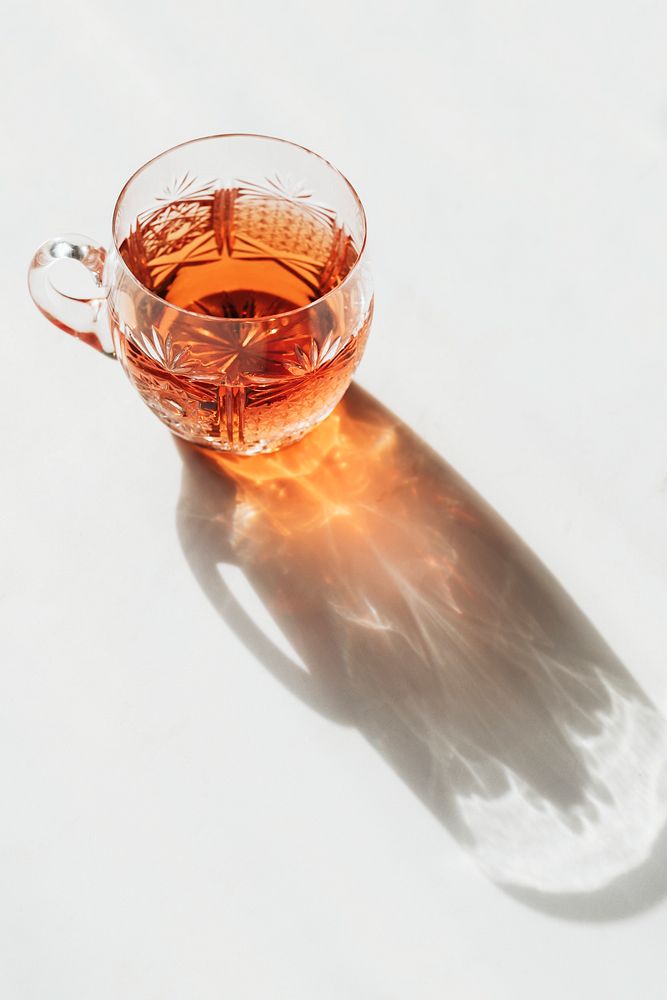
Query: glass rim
x=227, y=319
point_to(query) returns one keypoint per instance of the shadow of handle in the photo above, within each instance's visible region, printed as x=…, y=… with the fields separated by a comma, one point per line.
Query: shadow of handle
x=285, y=670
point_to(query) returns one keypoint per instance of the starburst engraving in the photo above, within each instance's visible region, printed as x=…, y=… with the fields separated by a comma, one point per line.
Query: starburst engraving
x=187, y=187
x=163, y=351
x=314, y=355
x=287, y=189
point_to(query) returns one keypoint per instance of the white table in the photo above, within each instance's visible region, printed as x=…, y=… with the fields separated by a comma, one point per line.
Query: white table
x=429, y=776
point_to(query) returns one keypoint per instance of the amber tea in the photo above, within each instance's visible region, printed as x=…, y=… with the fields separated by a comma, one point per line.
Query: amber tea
x=242, y=255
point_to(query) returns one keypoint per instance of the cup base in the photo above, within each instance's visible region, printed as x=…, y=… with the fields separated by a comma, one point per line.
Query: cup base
x=257, y=448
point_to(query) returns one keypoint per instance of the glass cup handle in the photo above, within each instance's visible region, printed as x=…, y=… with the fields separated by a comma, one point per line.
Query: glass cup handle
x=84, y=318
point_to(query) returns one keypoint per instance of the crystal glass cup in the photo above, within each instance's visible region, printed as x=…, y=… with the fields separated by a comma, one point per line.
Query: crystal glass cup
x=236, y=293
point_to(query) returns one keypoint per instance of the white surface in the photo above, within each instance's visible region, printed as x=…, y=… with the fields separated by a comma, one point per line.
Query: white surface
x=175, y=823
